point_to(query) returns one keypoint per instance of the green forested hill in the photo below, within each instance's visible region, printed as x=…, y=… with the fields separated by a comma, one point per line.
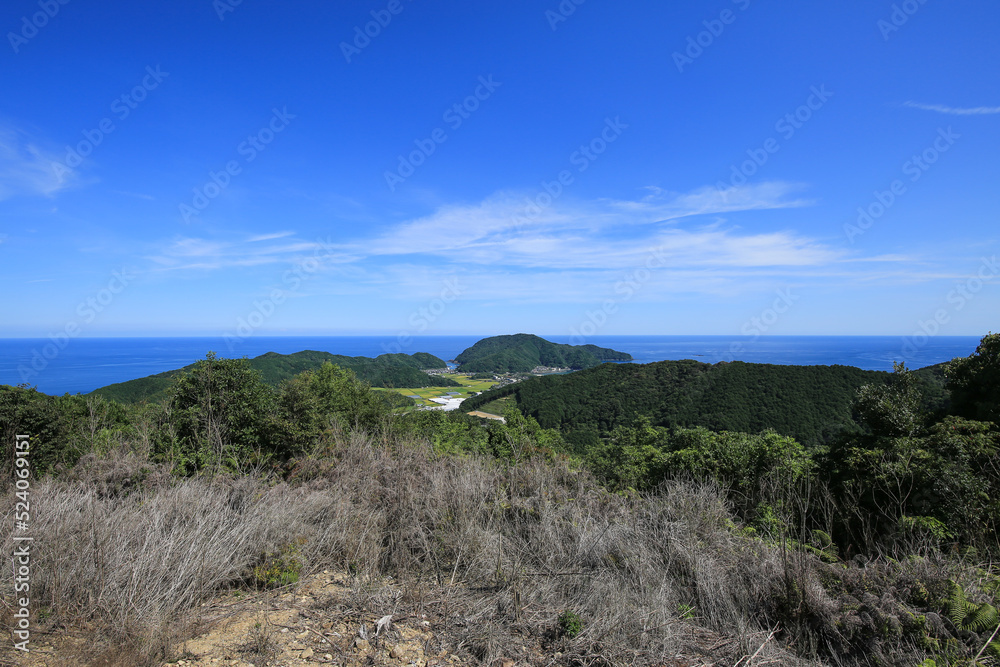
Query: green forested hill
x=810, y=403
x=387, y=370
x=520, y=353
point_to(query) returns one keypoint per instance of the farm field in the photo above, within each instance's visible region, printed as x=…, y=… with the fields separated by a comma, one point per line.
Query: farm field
x=422, y=395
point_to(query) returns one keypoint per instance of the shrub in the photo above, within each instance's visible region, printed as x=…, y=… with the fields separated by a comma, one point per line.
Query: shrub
x=570, y=624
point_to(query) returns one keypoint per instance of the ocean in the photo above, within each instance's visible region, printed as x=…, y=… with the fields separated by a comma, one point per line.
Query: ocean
x=81, y=365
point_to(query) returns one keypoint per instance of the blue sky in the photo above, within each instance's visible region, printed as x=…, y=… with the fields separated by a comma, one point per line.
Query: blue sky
x=201, y=168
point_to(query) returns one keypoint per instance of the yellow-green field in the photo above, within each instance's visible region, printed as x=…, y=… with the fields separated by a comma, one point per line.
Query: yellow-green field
x=468, y=388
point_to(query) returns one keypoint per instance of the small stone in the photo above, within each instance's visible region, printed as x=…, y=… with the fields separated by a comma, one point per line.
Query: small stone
x=308, y=653
x=284, y=629
x=507, y=663
x=397, y=652
x=361, y=644
x=328, y=656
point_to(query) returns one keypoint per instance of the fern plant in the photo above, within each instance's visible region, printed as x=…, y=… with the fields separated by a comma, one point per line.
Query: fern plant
x=969, y=616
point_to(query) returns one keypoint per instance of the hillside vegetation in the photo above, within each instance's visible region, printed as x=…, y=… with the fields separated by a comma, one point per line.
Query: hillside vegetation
x=520, y=353
x=387, y=370
x=810, y=403
x=652, y=545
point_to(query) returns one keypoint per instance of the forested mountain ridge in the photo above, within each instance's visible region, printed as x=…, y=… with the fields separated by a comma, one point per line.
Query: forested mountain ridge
x=520, y=353
x=809, y=403
x=387, y=370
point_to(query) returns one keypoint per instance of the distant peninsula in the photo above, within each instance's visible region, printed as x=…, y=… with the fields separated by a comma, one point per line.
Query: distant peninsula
x=386, y=370
x=522, y=353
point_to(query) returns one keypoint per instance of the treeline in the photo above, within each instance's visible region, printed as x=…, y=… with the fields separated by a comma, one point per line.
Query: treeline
x=891, y=470
x=218, y=414
x=809, y=403
x=899, y=478
x=386, y=370
x=222, y=415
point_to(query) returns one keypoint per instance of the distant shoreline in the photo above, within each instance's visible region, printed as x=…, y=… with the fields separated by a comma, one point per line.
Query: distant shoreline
x=85, y=364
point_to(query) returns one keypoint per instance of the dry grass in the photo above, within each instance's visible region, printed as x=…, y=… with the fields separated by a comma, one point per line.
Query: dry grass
x=513, y=548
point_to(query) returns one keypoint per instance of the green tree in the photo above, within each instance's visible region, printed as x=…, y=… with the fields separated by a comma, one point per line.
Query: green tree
x=892, y=409
x=224, y=416
x=518, y=437
x=900, y=480
x=974, y=381
x=326, y=400
x=47, y=419
x=632, y=457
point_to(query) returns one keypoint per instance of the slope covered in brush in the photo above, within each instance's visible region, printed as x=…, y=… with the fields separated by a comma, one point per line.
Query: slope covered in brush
x=809, y=403
x=387, y=370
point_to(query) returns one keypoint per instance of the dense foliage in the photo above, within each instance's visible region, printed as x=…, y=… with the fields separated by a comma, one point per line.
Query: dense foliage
x=975, y=381
x=812, y=404
x=520, y=353
x=387, y=370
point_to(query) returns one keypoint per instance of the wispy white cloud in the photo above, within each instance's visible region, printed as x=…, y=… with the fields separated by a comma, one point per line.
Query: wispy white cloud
x=193, y=253
x=956, y=111
x=569, y=251
x=507, y=229
x=28, y=169
x=138, y=195
x=269, y=237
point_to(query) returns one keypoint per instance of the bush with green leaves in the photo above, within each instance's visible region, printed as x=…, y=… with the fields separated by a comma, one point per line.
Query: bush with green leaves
x=570, y=624
x=753, y=468
x=974, y=381
x=280, y=568
x=223, y=415
x=316, y=403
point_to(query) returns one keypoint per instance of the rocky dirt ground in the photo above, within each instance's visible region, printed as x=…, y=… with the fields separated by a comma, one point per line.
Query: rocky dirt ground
x=333, y=618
